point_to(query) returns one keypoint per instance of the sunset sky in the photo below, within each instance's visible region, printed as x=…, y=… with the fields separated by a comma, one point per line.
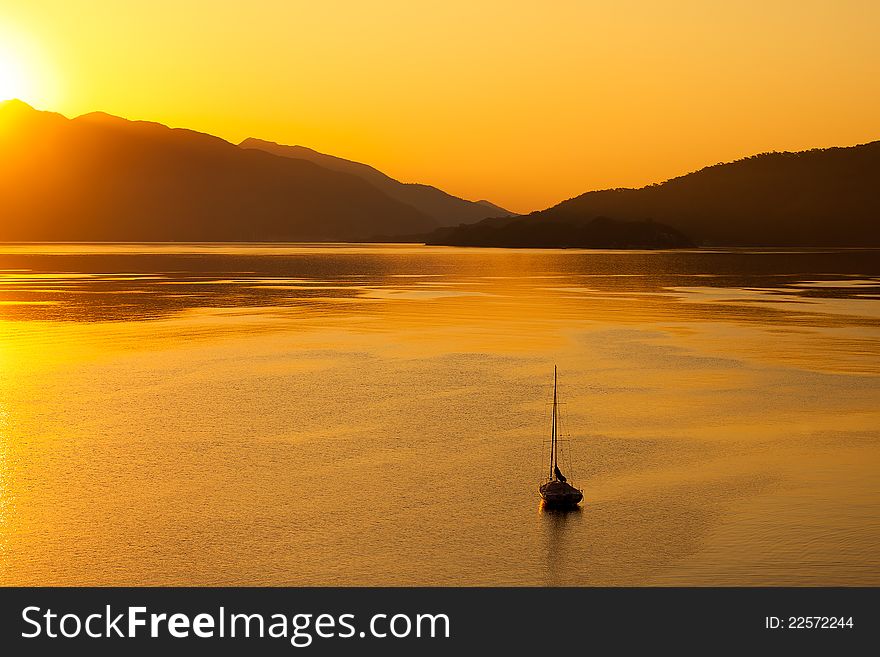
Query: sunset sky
x=523, y=103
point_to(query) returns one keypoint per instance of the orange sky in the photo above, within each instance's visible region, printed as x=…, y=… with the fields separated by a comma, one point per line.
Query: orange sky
x=523, y=103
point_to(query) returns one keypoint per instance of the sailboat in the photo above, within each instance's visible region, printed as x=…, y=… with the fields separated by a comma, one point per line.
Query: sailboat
x=556, y=491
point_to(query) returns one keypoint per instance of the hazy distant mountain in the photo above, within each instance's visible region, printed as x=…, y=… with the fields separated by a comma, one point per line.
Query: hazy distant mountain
x=99, y=177
x=447, y=210
x=496, y=209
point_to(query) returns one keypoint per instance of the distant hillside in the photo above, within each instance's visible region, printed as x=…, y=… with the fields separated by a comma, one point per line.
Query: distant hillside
x=534, y=232
x=445, y=209
x=99, y=177
x=827, y=197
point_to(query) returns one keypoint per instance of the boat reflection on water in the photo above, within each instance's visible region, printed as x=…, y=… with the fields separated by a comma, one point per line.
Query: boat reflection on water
x=562, y=537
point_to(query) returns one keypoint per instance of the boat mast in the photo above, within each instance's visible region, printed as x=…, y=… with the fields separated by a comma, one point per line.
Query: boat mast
x=553, y=431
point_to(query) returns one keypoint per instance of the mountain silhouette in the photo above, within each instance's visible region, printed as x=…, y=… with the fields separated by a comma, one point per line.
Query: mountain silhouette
x=820, y=197
x=103, y=178
x=445, y=209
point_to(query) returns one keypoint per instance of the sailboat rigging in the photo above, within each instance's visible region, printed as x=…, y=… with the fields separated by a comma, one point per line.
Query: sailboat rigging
x=556, y=491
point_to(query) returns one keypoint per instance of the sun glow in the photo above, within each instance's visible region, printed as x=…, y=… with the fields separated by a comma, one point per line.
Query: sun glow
x=13, y=81
x=23, y=71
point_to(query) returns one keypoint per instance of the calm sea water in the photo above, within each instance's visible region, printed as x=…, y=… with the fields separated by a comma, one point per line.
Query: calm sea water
x=339, y=414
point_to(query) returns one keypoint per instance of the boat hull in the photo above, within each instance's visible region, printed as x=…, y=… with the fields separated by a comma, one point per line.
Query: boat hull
x=560, y=494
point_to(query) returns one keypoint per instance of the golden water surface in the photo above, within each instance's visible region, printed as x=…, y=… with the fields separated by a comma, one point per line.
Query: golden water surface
x=352, y=415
